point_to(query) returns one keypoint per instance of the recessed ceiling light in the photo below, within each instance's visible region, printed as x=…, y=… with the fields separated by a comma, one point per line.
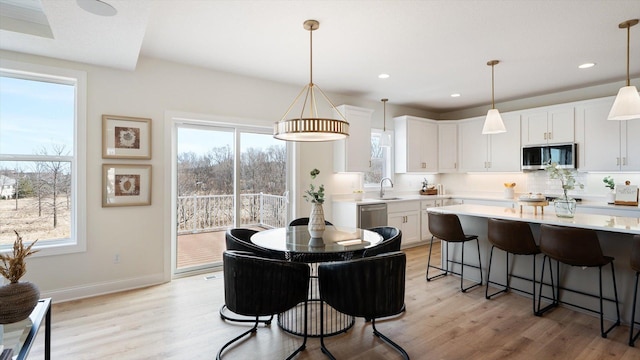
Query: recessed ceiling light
x=586, y=65
x=97, y=7
x=383, y=76
x=455, y=95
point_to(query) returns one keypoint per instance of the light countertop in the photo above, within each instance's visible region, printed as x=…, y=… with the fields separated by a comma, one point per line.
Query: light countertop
x=620, y=224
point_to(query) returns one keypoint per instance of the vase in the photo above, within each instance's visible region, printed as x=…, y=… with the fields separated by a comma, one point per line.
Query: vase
x=565, y=207
x=17, y=301
x=611, y=197
x=316, y=221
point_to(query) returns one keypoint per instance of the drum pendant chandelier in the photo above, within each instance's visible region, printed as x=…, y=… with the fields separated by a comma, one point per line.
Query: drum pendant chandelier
x=309, y=126
x=626, y=106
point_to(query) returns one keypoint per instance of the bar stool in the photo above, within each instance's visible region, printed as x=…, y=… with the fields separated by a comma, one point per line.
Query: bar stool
x=574, y=247
x=447, y=227
x=635, y=265
x=512, y=237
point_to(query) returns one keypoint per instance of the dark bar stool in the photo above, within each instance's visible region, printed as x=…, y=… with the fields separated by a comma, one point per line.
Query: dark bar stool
x=447, y=227
x=575, y=247
x=635, y=265
x=513, y=237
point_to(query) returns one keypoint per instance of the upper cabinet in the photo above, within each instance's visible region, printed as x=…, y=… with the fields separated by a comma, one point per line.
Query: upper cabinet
x=447, y=147
x=551, y=125
x=353, y=154
x=416, y=144
x=606, y=145
x=497, y=152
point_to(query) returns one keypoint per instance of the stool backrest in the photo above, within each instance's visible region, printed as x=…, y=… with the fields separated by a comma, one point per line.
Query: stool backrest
x=512, y=236
x=445, y=227
x=635, y=253
x=573, y=246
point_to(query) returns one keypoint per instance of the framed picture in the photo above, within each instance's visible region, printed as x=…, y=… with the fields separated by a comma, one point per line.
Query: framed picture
x=126, y=185
x=126, y=137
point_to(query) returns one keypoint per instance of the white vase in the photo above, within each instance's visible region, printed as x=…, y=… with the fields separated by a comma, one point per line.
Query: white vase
x=611, y=197
x=316, y=221
x=565, y=207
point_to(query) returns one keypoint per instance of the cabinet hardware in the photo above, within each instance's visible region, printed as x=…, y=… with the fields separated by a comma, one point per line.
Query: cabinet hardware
x=618, y=161
x=545, y=136
x=624, y=161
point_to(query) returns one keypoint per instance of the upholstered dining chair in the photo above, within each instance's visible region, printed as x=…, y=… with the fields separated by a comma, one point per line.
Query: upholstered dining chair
x=240, y=239
x=305, y=221
x=391, y=241
x=371, y=287
x=255, y=286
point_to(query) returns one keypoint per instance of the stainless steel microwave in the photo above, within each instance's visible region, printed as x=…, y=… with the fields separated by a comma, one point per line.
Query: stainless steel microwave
x=537, y=157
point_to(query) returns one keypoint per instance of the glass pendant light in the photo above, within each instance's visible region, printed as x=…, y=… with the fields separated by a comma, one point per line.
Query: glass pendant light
x=626, y=106
x=493, y=124
x=309, y=126
x=385, y=137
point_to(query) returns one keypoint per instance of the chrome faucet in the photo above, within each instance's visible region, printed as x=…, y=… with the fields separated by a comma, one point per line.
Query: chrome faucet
x=381, y=188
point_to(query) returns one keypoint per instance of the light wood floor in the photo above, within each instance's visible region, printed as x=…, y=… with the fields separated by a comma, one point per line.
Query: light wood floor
x=179, y=320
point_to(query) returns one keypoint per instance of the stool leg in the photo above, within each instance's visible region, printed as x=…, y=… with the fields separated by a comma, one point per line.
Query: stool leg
x=462, y=268
x=555, y=298
x=604, y=333
x=486, y=290
x=632, y=338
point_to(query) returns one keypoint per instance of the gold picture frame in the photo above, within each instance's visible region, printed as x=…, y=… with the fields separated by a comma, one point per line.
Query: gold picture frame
x=125, y=137
x=126, y=185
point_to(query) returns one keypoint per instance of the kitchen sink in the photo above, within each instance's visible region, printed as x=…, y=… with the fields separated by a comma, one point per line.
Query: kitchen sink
x=390, y=198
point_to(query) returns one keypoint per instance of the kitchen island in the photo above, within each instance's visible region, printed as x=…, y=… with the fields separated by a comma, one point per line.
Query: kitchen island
x=614, y=232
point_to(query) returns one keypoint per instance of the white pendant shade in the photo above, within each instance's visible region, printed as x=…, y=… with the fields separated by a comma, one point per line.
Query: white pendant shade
x=626, y=105
x=385, y=139
x=493, y=124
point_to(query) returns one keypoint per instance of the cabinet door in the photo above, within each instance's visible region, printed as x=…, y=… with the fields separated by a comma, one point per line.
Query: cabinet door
x=424, y=221
x=504, y=152
x=396, y=220
x=534, y=128
x=631, y=145
x=353, y=154
x=411, y=227
x=472, y=145
x=422, y=146
x=560, y=125
x=598, y=138
x=447, y=148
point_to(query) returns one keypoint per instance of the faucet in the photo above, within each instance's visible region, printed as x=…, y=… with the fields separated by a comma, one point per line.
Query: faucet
x=381, y=188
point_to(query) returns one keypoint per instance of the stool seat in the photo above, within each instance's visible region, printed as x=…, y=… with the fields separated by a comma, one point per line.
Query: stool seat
x=575, y=247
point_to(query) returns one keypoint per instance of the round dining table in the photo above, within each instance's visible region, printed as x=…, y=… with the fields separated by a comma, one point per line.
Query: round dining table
x=337, y=244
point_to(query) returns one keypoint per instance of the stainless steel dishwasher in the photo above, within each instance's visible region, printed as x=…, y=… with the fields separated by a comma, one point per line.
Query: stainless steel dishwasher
x=372, y=215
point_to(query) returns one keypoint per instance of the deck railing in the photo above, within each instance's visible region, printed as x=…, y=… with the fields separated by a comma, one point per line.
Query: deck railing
x=199, y=213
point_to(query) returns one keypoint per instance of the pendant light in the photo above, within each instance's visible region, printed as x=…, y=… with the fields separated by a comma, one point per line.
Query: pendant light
x=385, y=137
x=626, y=106
x=493, y=123
x=312, y=127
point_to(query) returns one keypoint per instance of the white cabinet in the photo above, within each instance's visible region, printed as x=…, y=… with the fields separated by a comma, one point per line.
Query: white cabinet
x=405, y=215
x=548, y=125
x=497, y=152
x=606, y=145
x=424, y=224
x=416, y=145
x=447, y=147
x=353, y=154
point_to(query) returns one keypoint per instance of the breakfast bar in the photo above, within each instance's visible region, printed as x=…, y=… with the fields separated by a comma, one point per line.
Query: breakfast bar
x=614, y=233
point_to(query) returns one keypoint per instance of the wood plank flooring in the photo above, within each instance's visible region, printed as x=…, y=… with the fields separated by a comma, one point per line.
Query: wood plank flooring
x=179, y=320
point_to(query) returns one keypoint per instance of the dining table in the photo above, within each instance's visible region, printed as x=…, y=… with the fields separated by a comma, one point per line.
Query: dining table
x=336, y=244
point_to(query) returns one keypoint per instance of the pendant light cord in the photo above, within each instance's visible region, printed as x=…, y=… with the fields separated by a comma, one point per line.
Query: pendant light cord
x=493, y=103
x=628, y=50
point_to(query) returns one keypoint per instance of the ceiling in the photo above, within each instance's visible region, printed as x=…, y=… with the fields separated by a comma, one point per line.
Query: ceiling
x=430, y=48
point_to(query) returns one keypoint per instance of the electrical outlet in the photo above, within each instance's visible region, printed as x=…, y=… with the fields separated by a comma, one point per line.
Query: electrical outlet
x=116, y=259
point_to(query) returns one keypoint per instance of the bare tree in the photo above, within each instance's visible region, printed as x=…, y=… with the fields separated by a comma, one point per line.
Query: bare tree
x=54, y=180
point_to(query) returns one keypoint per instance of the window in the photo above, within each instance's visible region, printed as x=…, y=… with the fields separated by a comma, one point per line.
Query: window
x=381, y=165
x=42, y=157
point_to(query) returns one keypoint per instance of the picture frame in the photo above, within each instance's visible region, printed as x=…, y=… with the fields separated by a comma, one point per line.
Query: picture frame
x=626, y=194
x=125, y=137
x=126, y=185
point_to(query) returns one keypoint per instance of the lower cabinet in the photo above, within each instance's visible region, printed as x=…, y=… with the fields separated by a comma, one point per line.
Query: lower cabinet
x=405, y=215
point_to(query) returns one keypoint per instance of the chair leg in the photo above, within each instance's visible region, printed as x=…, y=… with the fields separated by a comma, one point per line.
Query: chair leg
x=436, y=267
x=304, y=342
x=462, y=269
x=632, y=337
x=252, y=330
x=604, y=333
x=322, y=345
x=223, y=316
x=388, y=341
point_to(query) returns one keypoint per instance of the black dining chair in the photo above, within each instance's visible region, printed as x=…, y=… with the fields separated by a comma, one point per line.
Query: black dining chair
x=255, y=286
x=391, y=241
x=371, y=287
x=240, y=239
x=305, y=221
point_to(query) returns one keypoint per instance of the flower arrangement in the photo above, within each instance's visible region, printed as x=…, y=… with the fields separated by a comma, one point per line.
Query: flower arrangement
x=313, y=195
x=13, y=267
x=566, y=177
x=609, y=182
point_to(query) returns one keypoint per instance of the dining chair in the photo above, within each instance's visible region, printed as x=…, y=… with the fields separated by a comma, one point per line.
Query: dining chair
x=255, y=286
x=371, y=287
x=305, y=221
x=391, y=241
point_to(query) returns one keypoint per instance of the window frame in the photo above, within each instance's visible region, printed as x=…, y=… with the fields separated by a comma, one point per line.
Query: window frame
x=390, y=160
x=77, y=242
